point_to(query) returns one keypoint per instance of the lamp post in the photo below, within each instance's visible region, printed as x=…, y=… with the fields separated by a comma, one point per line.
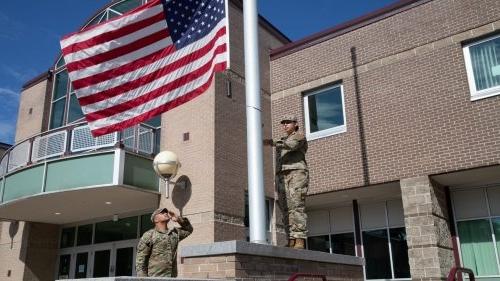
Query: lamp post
x=166, y=164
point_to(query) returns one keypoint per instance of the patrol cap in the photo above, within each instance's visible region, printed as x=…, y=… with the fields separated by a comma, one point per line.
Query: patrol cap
x=289, y=118
x=156, y=212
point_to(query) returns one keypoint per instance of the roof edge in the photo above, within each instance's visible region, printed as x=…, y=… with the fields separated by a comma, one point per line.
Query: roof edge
x=265, y=23
x=343, y=28
x=43, y=76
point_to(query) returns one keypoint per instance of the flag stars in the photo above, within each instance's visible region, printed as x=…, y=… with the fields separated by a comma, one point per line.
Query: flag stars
x=193, y=21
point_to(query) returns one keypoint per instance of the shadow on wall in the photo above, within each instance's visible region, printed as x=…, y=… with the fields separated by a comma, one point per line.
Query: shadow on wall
x=361, y=126
x=181, y=193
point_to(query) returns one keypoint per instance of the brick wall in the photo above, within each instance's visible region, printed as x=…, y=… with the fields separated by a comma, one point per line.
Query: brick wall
x=248, y=267
x=230, y=168
x=428, y=234
x=415, y=102
x=33, y=112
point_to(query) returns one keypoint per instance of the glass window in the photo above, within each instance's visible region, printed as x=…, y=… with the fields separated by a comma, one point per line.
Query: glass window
x=126, y=5
x=124, y=261
x=64, y=262
x=81, y=265
x=154, y=122
x=343, y=244
x=57, y=117
x=324, y=112
x=75, y=111
x=122, y=229
x=496, y=230
x=376, y=250
x=84, y=235
x=399, y=249
x=60, y=62
x=319, y=243
x=477, y=248
x=67, y=237
x=146, y=223
x=483, y=67
x=60, y=85
x=101, y=263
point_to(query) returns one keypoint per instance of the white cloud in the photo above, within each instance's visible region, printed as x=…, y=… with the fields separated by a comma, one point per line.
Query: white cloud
x=8, y=93
x=20, y=75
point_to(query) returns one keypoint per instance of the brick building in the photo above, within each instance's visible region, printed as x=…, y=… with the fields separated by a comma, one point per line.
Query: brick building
x=401, y=109
x=76, y=206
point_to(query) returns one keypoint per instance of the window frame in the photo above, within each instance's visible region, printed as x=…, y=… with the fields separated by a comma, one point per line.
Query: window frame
x=474, y=93
x=386, y=228
x=490, y=217
x=326, y=132
x=67, y=101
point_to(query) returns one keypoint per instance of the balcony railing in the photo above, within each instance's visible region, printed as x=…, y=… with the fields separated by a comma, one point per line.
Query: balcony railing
x=75, y=139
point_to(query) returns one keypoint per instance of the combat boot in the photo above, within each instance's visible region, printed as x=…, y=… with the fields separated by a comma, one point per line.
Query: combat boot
x=291, y=242
x=299, y=243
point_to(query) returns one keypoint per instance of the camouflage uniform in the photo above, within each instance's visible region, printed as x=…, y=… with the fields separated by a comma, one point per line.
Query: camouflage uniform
x=293, y=182
x=157, y=251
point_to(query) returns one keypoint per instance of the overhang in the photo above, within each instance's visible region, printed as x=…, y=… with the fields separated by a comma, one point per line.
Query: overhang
x=80, y=204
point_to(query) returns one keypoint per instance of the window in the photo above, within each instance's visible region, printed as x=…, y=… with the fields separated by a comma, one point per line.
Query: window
x=65, y=108
x=269, y=210
x=122, y=229
x=324, y=112
x=482, y=62
x=67, y=237
x=331, y=231
x=477, y=218
x=384, y=240
x=84, y=235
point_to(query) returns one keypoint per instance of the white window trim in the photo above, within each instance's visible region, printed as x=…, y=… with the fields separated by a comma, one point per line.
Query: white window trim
x=474, y=93
x=326, y=132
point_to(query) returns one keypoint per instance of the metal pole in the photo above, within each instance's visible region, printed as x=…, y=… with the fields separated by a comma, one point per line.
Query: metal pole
x=256, y=198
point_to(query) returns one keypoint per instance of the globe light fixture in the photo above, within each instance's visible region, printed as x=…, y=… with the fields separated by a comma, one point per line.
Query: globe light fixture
x=166, y=164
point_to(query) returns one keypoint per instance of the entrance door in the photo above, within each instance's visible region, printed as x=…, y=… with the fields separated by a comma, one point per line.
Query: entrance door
x=124, y=262
x=81, y=265
x=102, y=262
x=114, y=259
x=99, y=260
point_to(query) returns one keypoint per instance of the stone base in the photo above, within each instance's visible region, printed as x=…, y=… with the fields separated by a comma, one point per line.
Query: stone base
x=240, y=260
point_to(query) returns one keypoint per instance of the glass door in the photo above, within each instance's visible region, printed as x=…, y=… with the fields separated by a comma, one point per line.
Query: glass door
x=124, y=258
x=63, y=270
x=124, y=263
x=101, y=264
x=81, y=266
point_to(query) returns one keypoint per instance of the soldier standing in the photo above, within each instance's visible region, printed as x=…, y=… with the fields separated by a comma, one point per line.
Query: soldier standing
x=293, y=180
x=157, y=249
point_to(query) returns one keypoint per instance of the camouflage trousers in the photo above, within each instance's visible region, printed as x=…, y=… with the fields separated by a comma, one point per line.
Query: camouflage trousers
x=292, y=190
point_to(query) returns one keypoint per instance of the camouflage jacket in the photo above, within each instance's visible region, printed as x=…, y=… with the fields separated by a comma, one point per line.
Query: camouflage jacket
x=157, y=251
x=291, y=152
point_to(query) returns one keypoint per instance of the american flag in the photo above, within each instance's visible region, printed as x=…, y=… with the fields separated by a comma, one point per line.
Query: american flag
x=147, y=61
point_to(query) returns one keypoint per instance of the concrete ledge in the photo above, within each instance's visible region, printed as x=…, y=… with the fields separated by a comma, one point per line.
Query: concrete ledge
x=246, y=248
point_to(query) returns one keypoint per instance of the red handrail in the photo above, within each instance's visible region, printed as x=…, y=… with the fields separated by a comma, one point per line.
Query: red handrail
x=454, y=270
x=296, y=275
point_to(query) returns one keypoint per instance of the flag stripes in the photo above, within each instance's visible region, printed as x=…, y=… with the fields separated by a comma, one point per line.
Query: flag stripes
x=129, y=69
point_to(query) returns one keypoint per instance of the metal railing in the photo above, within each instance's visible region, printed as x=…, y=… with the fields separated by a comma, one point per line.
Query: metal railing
x=76, y=139
x=452, y=276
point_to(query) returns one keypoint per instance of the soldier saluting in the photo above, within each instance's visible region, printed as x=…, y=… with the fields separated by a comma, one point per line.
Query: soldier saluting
x=293, y=180
x=157, y=249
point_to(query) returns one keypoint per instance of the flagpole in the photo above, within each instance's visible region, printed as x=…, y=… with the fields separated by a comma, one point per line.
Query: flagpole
x=256, y=198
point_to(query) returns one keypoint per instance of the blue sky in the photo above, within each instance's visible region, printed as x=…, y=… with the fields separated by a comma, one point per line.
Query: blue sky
x=30, y=31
